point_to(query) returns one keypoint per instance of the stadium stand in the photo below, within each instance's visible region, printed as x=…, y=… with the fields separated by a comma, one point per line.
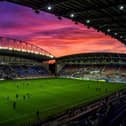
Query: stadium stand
x=19, y=59
x=15, y=72
x=30, y=71
x=109, y=68
x=109, y=114
x=97, y=72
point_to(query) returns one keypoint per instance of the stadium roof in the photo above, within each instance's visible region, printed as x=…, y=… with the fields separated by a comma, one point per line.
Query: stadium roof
x=108, y=16
x=13, y=47
x=98, y=54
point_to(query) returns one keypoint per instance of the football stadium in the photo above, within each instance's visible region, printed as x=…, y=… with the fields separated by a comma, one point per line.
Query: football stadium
x=39, y=88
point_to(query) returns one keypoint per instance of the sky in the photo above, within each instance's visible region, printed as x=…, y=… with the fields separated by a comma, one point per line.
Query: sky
x=59, y=37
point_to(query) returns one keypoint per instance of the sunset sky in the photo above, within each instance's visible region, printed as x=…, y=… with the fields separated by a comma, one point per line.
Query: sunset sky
x=60, y=37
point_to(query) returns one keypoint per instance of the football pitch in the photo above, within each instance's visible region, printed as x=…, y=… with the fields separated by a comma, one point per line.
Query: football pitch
x=20, y=100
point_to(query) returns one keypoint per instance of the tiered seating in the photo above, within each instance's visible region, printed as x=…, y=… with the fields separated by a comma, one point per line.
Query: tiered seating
x=7, y=72
x=22, y=71
x=123, y=69
x=31, y=71
x=95, y=72
x=108, y=70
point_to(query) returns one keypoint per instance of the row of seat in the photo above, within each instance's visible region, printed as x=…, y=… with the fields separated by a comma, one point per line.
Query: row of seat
x=11, y=72
x=95, y=72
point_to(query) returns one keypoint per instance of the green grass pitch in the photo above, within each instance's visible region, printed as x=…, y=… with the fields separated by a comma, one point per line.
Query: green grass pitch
x=49, y=96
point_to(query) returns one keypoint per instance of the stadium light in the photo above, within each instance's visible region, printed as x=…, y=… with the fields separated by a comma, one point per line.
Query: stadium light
x=115, y=33
x=108, y=30
x=72, y=15
x=88, y=21
x=10, y=48
x=49, y=8
x=51, y=56
x=121, y=7
x=121, y=36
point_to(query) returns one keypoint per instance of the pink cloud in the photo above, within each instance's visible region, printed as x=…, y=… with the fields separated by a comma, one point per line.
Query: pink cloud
x=60, y=37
